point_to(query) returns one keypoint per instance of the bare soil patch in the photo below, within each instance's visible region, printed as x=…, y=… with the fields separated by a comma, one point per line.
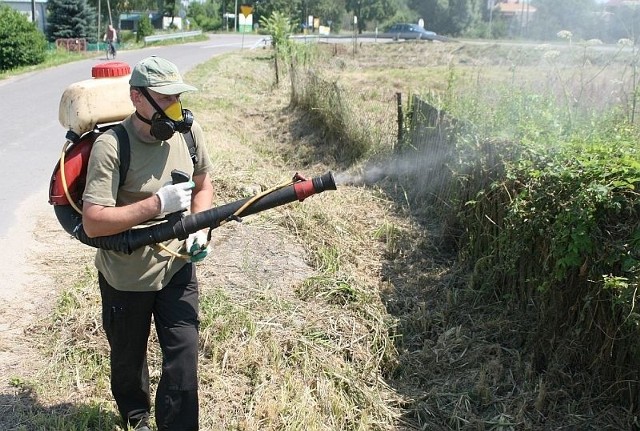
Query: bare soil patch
x=27, y=287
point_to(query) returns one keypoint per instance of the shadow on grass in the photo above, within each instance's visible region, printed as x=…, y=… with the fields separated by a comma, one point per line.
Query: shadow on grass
x=22, y=411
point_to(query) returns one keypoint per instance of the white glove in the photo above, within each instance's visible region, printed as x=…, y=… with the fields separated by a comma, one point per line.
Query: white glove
x=175, y=197
x=196, y=245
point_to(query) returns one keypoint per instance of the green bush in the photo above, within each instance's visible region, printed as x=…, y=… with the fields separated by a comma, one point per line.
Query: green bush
x=204, y=16
x=21, y=44
x=126, y=36
x=206, y=23
x=144, y=28
x=545, y=203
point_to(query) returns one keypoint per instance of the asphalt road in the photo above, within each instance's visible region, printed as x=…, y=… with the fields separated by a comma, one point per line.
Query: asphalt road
x=29, y=117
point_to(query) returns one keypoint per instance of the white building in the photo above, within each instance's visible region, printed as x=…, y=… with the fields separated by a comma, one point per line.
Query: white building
x=26, y=7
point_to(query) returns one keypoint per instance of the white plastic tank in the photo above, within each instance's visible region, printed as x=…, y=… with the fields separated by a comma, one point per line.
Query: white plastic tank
x=101, y=100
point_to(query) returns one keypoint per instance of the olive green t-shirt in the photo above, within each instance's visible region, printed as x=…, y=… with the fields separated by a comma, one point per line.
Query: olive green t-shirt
x=148, y=268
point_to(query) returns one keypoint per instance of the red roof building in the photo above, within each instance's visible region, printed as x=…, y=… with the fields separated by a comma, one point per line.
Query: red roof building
x=519, y=10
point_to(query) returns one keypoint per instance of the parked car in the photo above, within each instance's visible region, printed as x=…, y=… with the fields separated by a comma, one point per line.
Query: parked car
x=411, y=31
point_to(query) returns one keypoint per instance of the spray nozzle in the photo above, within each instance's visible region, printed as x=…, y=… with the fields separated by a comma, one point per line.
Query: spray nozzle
x=299, y=177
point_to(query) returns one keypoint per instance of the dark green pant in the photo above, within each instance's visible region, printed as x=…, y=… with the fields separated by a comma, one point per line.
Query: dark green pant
x=126, y=318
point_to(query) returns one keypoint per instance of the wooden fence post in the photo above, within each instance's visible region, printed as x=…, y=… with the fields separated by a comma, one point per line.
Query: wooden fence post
x=400, y=118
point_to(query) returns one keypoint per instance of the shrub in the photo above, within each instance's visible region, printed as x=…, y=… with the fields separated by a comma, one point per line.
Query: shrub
x=204, y=16
x=21, y=44
x=126, y=36
x=144, y=28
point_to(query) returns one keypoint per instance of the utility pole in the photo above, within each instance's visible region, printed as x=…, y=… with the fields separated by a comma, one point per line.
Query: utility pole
x=235, y=20
x=33, y=12
x=527, y=30
x=109, y=7
x=522, y=20
x=491, y=6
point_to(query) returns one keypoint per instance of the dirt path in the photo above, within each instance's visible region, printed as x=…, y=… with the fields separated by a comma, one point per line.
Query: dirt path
x=26, y=288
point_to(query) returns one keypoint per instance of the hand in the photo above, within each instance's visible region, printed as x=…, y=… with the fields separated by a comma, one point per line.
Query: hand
x=175, y=197
x=197, y=247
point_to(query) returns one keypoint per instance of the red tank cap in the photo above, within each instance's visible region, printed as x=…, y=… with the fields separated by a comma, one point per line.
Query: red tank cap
x=110, y=69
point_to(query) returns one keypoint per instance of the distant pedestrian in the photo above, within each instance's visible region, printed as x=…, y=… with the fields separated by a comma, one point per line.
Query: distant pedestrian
x=111, y=37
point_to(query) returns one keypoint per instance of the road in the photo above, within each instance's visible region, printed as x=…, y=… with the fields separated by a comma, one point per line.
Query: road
x=34, y=138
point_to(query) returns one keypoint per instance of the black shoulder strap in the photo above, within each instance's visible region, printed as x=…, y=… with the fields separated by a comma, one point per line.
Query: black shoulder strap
x=124, y=151
x=191, y=143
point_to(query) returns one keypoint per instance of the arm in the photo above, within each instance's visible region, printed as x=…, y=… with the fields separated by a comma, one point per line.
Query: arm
x=203, y=201
x=99, y=220
x=202, y=196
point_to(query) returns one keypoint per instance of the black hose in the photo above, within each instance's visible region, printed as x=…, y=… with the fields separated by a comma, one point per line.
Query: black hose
x=180, y=227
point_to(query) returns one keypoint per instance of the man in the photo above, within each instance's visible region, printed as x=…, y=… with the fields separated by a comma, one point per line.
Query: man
x=111, y=37
x=158, y=281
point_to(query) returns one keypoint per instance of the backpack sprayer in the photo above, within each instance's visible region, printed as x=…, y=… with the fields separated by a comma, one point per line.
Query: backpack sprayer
x=88, y=108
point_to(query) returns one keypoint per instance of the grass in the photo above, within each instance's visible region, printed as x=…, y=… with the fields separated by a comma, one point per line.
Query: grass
x=53, y=58
x=179, y=41
x=344, y=312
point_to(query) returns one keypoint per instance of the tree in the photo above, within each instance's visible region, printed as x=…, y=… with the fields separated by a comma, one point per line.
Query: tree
x=451, y=17
x=371, y=11
x=404, y=14
x=144, y=28
x=21, y=44
x=294, y=10
x=118, y=6
x=279, y=27
x=206, y=16
x=71, y=19
x=433, y=12
x=329, y=11
x=462, y=15
x=170, y=9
